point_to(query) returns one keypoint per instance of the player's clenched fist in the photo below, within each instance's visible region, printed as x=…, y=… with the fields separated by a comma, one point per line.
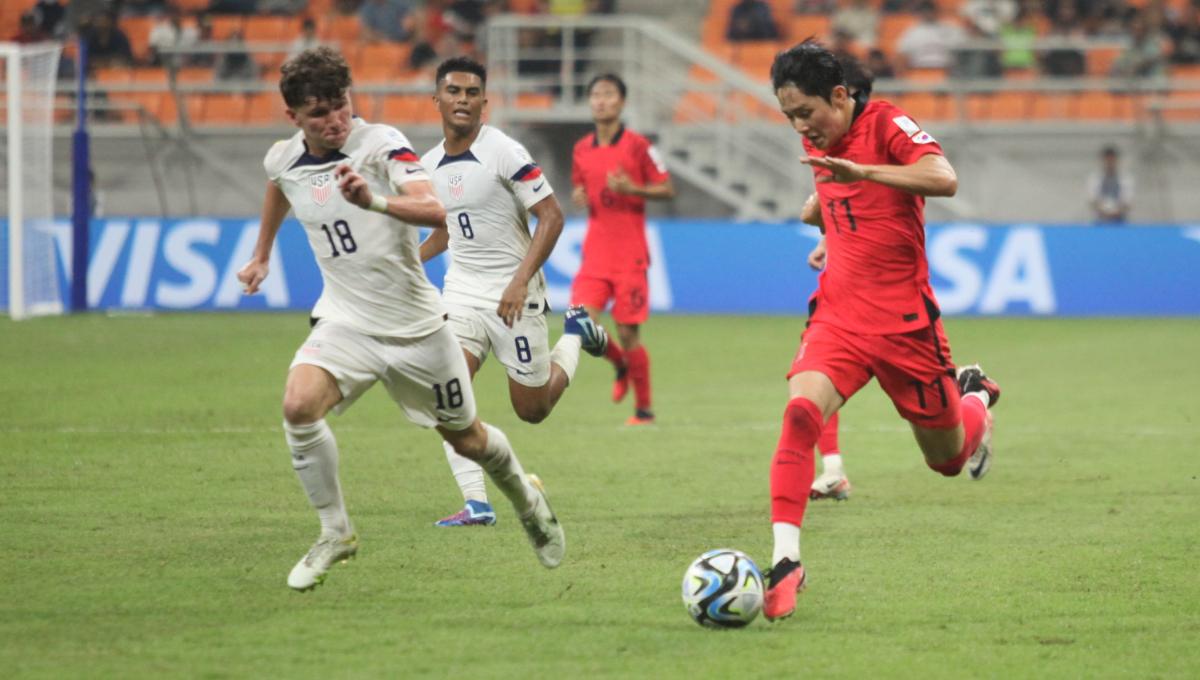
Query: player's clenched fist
x=353, y=187
x=252, y=275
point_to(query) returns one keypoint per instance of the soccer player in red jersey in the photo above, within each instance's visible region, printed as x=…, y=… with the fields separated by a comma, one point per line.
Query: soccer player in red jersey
x=874, y=313
x=614, y=172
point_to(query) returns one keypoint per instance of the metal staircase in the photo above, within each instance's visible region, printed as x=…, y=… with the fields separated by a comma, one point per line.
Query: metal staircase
x=720, y=129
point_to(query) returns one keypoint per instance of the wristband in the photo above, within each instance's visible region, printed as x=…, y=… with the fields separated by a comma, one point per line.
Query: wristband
x=378, y=203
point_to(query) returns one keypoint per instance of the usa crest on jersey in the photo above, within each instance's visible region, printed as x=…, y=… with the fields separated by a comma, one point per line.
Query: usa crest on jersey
x=322, y=187
x=455, y=182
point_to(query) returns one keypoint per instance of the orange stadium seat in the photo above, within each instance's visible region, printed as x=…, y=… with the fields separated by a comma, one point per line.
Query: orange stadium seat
x=891, y=27
x=755, y=58
x=695, y=107
x=137, y=29
x=191, y=5
x=265, y=108
x=225, y=24
x=269, y=29
x=381, y=61
x=1100, y=61
x=223, y=109
x=809, y=25
x=342, y=29
x=118, y=74
x=194, y=74
x=399, y=109
x=535, y=100
x=924, y=106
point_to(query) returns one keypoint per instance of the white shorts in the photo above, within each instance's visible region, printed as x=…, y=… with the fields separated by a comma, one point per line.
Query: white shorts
x=524, y=349
x=427, y=377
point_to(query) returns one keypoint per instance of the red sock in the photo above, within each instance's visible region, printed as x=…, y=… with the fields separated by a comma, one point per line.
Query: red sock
x=615, y=355
x=792, y=469
x=974, y=420
x=828, y=444
x=638, y=361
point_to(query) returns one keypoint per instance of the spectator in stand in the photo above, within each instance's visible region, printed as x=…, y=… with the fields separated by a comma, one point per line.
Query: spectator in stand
x=858, y=19
x=49, y=16
x=814, y=6
x=989, y=16
x=930, y=43
x=978, y=56
x=138, y=7
x=1110, y=190
x=877, y=64
x=233, y=6
x=236, y=65
x=204, y=29
x=107, y=45
x=1018, y=38
x=1184, y=33
x=1146, y=56
x=1063, y=60
x=286, y=7
x=751, y=20
x=307, y=38
x=170, y=31
x=899, y=6
x=28, y=30
x=386, y=20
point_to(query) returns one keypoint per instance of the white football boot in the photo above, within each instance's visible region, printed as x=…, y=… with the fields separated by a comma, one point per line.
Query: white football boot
x=830, y=485
x=545, y=533
x=309, y=572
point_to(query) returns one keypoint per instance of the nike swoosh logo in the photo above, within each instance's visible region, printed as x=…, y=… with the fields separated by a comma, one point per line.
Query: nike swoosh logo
x=539, y=186
x=444, y=420
x=412, y=170
x=520, y=372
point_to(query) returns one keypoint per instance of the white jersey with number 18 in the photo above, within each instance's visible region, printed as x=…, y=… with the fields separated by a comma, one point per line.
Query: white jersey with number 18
x=370, y=263
x=487, y=190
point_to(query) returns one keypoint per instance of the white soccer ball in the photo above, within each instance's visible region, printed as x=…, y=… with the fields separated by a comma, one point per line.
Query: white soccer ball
x=723, y=589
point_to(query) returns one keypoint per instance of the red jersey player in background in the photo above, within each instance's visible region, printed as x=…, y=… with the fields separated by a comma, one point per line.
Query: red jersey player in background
x=874, y=313
x=614, y=171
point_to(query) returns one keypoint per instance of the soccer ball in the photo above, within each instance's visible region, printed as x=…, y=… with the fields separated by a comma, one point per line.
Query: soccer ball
x=723, y=589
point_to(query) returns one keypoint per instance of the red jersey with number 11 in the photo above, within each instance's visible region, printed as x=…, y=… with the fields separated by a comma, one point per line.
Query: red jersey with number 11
x=876, y=278
x=616, y=234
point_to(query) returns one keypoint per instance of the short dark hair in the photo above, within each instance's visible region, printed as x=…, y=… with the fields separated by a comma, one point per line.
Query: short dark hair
x=812, y=68
x=319, y=73
x=610, y=78
x=1110, y=150
x=858, y=77
x=461, y=65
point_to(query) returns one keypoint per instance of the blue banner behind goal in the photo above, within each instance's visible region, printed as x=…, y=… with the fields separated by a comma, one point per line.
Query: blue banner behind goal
x=699, y=266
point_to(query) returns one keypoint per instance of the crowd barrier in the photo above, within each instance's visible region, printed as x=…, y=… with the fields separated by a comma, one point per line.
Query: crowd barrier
x=698, y=266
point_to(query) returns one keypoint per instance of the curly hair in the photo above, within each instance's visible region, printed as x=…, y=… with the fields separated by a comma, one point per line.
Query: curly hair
x=320, y=74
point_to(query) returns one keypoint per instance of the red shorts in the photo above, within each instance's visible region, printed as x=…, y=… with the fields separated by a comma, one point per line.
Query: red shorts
x=629, y=294
x=914, y=369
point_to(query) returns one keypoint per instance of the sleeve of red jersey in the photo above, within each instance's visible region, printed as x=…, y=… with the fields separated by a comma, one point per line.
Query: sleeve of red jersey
x=906, y=141
x=653, y=167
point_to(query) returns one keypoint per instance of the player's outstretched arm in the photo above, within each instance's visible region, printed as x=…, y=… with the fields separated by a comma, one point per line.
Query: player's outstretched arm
x=435, y=244
x=416, y=204
x=930, y=175
x=275, y=208
x=549, y=216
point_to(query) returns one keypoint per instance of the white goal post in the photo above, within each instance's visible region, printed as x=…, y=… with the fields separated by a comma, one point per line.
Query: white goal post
x=32, y=278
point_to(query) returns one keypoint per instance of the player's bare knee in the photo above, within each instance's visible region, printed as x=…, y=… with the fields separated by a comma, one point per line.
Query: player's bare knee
x=300, y=410
x=532, y=413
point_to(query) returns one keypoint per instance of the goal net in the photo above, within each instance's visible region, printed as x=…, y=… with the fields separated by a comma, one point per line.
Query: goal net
x=30, y=282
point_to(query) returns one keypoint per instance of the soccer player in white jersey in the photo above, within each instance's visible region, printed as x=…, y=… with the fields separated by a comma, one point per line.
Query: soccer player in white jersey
x=358, y=190
x=495, y=291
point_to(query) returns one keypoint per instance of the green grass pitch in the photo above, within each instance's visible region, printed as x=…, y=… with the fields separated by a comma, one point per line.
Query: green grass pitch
x=150, y=515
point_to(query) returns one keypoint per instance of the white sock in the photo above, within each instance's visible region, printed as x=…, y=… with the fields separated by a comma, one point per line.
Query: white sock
x=315, y=460
x=981, y=395
x=787, y=542
x=467, y=474
x=832, y=464
x=502, y=466
x=566, y=354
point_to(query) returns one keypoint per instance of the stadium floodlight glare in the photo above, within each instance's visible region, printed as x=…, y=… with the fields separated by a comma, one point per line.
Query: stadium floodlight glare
x=31, y=279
